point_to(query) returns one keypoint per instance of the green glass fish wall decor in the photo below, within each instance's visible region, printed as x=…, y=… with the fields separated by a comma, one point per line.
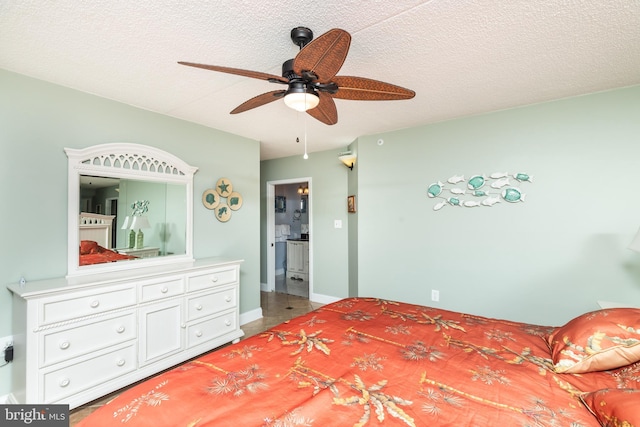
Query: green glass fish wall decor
x=482, y=190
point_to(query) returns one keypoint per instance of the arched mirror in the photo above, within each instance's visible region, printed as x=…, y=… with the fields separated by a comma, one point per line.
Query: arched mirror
x=130, y=206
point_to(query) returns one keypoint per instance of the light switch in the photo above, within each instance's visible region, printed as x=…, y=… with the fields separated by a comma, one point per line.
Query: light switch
x=337, y=223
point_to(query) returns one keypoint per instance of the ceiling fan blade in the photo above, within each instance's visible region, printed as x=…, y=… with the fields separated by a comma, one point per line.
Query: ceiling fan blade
x=258, y=101
x=238, y=71
x=324, y=56
x=362, y=89
x=326, y=110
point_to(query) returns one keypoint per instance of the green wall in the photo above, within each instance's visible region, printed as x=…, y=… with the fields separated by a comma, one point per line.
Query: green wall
x=544, y=260
x=38, y=119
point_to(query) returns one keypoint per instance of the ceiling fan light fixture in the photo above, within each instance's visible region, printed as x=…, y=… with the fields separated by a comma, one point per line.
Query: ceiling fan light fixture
x=301, y=98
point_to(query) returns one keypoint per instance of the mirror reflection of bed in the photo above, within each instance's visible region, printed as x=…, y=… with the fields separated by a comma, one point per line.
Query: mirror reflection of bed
x=96, y=231
x=106, y=203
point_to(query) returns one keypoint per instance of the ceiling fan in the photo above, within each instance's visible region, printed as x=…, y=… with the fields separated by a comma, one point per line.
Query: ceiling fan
x=311, y=78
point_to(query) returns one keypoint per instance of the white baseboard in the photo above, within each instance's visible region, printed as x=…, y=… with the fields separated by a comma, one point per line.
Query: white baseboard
x=8, y=399
x=250, y=316
x=263, y=287
x=280, y=272
x=323, y=299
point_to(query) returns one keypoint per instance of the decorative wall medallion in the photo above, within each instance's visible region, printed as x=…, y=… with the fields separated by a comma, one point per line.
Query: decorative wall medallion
x=223, y=213
x=222, y=200
x=479, y=190
x=210, y=198
x=235, y=201
x=224, y=187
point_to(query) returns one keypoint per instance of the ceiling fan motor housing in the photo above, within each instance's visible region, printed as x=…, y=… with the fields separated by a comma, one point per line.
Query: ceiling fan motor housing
x=297, y=84
x=287, y=70
x=300, y=87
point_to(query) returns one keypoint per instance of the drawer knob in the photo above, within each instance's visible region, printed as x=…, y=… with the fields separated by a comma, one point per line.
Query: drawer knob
x=214, y=279
x=65, y=345
x=120, y=362
x=199, y=307
x=228, y=298
x=95, y=303
x=164, y=290
x=227, y=322
x=120, y=329
x=198, y=334
x=64, y=382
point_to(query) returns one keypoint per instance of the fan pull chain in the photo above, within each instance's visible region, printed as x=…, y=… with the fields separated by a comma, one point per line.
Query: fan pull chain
x=306, y=156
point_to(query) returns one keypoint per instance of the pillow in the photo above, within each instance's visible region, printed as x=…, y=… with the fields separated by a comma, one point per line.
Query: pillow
x=614, y=406
x=596, y=341
x=88, y=247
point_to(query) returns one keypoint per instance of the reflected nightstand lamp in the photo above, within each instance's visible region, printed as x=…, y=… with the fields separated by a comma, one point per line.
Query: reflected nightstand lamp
x=139, y=222
x=132, y=234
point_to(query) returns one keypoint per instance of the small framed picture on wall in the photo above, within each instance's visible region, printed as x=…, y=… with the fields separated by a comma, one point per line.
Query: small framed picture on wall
x=351, y=204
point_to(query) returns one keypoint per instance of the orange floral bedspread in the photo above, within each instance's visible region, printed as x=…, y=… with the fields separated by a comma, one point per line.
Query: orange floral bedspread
x=370, y=362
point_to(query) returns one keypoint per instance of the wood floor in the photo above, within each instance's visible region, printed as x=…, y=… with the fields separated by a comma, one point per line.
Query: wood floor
x=276, y=308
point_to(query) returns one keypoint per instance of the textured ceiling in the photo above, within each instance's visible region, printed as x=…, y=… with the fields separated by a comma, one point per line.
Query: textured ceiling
x=460, y=57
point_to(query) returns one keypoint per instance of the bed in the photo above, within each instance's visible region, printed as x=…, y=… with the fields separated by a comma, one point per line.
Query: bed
x=95, y=240
x=96, y=227
x=369, y=362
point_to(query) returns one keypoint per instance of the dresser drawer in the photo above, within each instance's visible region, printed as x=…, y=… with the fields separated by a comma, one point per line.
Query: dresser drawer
x=85, y=303
x=204, y=305
x=73, y=379
x=211, y=278
x=158, y=289
x=211, y=328
x=58, y=346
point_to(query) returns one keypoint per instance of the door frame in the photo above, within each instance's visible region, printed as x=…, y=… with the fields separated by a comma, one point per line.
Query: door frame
x=271, y=230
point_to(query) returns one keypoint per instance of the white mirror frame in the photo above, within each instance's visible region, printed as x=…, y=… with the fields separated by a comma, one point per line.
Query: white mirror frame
x=132, y=161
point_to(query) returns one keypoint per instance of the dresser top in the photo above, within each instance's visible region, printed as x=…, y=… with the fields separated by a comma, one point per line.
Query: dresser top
x=62, y=284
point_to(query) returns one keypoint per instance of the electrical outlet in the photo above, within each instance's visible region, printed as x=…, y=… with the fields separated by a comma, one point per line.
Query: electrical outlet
x=337, y=223
x=6, y=343
x=8, y=354
x=435, y=295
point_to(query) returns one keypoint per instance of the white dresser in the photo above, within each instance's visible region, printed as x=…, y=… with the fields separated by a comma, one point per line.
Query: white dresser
x=80, y=338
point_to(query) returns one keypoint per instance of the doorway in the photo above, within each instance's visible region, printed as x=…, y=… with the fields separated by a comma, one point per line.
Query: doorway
x=289, y=237
x=111, y=208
